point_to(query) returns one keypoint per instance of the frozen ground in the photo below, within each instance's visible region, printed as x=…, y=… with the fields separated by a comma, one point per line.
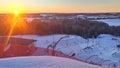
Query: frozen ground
x=102, y=50
x=43, y=62
x=111, y=22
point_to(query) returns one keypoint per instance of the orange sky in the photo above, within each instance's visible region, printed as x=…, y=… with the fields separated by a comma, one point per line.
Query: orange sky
x=59, y=6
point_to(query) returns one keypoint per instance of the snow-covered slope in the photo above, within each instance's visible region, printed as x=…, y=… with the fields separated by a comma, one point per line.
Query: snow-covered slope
x=111, y=22
x=43, y=62
x=102, y=50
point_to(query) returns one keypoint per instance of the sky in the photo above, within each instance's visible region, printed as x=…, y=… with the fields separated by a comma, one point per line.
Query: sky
x=60, y=6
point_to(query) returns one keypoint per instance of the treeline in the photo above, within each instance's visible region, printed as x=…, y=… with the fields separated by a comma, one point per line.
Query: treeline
x=80, y=27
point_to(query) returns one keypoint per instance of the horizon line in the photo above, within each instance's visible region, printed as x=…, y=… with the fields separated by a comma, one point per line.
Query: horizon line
x=60, y=12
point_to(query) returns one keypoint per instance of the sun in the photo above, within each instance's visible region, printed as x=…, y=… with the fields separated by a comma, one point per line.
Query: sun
x=16, y=12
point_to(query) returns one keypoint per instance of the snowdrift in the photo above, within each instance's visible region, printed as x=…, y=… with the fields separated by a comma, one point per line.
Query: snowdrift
x=43, y=62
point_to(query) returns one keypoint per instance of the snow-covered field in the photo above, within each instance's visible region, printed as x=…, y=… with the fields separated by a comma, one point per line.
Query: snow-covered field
x=111, y=22
x=102, y=50
x=43, y=62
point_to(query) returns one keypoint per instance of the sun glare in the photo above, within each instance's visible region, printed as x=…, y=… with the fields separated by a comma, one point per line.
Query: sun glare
x=16, y=12
x=14, y=22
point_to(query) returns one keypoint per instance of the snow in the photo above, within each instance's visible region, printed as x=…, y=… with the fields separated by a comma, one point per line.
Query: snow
x=82, y=17
x=102, y=16
x=111, y=22
x=47, y=15
x=31, y=19
x=98, y=50
x=43, y=62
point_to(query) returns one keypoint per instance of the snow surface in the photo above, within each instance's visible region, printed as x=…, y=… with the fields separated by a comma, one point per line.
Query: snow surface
x=102, y=17
x=31, y=19
x=101, y=50
x=111, y=22
x=43, y=62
